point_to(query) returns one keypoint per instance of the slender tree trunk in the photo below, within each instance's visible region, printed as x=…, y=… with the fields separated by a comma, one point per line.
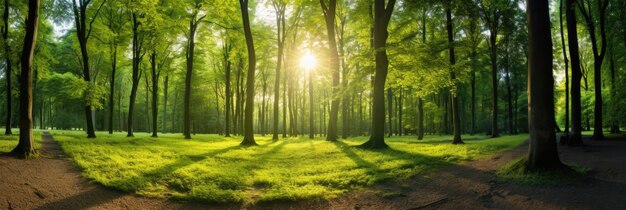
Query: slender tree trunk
x=7, y=68
x=614, y=99
x=455, y=107
x=382, y=15
x=112, y=86
x=311, y=108
x=155, y=93
x=164, y=123
x=389, y=112
x=191, y=43
x=26, y=146
x=420, y=119
x=572, y=38
x=136, y=74
x=566, y=61
x=228, y=94
x=280, y=23
x=543, y=154
x=248, y=139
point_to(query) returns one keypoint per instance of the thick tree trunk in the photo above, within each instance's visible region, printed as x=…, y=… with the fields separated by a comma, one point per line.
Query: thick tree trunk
x=26, y=145
x=543, y=154
x=572, y=40
x=329, y=17
x=248, y=137
x=381, y=21
x=455, y=106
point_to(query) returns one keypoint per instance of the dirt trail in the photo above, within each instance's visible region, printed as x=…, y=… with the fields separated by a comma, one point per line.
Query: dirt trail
x=53, y=182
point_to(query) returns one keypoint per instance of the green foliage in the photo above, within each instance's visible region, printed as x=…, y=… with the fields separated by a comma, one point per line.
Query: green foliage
x=212, y=168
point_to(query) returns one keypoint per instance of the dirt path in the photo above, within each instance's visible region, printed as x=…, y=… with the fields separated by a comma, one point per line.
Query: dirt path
x=53, y=182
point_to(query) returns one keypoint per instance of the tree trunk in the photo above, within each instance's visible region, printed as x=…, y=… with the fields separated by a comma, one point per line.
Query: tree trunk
x=26, y=145
x=420, y=119
x=164, y=123
x=228, y=95
x=329, y=17
x=7, y=68
x=455, y=107
x=248, y=137
x=566, y=61
x=80, y=14
x=193, y=25
x=389, y=112
x=311, y=108
x=112, y=86
x=381, y=21
x=136, y=74
x=280, y=31
x=572, y=40
x=155, y=93
x=543, y=154
x=614, y=100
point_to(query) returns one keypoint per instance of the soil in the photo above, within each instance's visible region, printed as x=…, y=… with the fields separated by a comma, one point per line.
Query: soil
x=54, y=182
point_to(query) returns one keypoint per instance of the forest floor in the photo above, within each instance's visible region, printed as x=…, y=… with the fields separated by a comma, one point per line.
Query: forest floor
x=53, y=182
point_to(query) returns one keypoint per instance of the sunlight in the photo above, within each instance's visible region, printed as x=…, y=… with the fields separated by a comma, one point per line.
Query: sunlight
x=308, y=61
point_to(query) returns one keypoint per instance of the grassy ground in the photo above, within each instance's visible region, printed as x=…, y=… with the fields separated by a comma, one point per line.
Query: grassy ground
x=514, y=171
x=212, y=168
x=7, y=143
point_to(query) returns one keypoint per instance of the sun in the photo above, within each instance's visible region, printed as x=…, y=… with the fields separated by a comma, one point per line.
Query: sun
x=308, y=61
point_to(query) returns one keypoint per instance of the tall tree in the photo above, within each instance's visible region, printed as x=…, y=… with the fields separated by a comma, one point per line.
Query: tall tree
x=26, y=145
x=279, y=8
x=382, y=15
x=586, y=9
x=194, y=19
x=453, y=94
x=491, y=10
x=329, y=9
x=83, y=31
x=7, y=67
x=572, y=42
x=566, y=61
x=137, y=56
x=543, y=153
x=248, y=133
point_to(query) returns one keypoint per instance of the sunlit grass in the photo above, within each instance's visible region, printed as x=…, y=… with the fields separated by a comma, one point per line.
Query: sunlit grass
x=213, y=168
x=7, y=143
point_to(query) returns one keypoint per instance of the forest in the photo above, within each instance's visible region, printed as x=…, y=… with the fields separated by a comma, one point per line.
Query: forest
x=322, y=104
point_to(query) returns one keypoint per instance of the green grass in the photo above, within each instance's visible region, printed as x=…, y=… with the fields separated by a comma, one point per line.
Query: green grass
x=515, y=172
x=7, y=143
x=211, y=168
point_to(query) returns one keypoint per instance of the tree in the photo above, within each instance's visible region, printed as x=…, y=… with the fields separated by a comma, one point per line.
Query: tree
x=248, y=133
x=491, y=15
x=572, y=42
x=279, y=8
x=83, y=31
x=382, y=15
x=137, y=56
x=194, y=19
x=543, y=153
x=7, y=67
x=566, y=61
x=586, y=9
x=453, y=95
x=329, y=17
x=26, y=145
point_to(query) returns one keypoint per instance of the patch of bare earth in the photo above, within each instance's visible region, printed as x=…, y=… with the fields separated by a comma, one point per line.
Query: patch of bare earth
x=53, y=182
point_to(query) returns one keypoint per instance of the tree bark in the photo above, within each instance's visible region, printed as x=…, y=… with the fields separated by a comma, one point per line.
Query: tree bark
x=543, y=154
x=455, y=106
x=329, y=17
x=155, y=93
x=7, y=69
x=566, y=61
x=248, y=137
x=572, y=40
x=311, y=108
x=279, y=6
x=164, y=123
x=112, y=86
x=26, y=146
x=598, y=56
x=389, y=112
x=136, y=76
x=382, y=15
x=193, y=25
